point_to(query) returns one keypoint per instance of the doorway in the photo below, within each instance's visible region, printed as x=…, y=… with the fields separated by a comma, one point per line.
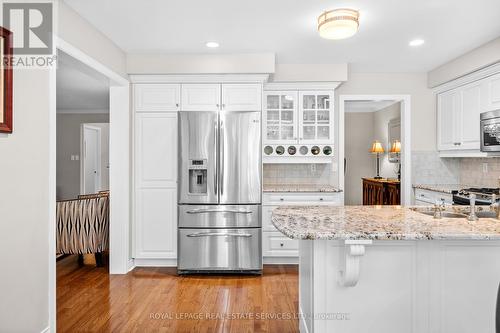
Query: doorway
x=94, y=149
x=376, y=150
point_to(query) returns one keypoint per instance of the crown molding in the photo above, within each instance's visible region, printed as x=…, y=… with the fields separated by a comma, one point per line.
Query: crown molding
x=196, y=78
x=469, y=78
x=301, y=85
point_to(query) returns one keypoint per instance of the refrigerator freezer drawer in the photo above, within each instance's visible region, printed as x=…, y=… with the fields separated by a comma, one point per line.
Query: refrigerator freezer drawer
x=219, y=216
x=220, y=250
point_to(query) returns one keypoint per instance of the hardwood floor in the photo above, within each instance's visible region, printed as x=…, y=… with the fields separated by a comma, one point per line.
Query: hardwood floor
x=157, y=300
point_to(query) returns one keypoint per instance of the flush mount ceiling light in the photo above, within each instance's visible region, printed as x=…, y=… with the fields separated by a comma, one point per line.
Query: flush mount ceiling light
x=416, y=42
x=338, y=23
x=212, y=45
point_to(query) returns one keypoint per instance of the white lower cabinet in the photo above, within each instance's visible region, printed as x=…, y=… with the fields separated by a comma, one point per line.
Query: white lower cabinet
x=276, y=247
x=156, y=223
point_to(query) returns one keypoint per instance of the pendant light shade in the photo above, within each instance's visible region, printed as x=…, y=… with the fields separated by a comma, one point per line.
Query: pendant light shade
x=338, y=23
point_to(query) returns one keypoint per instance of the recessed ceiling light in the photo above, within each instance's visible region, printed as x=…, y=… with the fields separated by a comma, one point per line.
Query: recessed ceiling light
x=212, y=44
x=416, y=42
x=338, y=23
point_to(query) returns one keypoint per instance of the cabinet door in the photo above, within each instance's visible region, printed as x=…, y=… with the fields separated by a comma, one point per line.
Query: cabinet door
x=201, y=97
x=448, y=120
x=492, y=93
x=316, y=117
x=156, y=149
x=280, y=117
x=156, y=97
x=242, y=97
x=156, y=223
x=471, y=109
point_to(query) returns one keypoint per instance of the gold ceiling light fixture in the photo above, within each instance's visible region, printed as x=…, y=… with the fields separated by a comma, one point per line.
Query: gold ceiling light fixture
x=338, y=23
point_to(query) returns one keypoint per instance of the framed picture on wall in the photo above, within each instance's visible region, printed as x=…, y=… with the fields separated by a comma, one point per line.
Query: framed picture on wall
x=5, y=81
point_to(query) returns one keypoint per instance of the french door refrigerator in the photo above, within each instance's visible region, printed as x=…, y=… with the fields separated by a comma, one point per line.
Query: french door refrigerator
x=219, y=199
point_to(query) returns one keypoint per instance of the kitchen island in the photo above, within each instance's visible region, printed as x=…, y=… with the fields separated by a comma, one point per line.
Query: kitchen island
x=394, y=269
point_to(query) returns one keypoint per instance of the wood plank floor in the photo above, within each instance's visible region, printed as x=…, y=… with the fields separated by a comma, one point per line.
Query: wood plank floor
x=157, y=300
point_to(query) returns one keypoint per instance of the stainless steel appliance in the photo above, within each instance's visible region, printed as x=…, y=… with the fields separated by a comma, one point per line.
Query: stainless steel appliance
x=219, y=199
x=483, y=196
x=490, y=131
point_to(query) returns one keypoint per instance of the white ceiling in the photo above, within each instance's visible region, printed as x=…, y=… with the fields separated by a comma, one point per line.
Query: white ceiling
x=288, y=28
x=79, y=87
x=367, y=106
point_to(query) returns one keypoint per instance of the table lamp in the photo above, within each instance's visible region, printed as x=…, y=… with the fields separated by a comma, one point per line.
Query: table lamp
x=396, y=148
x=377, y=149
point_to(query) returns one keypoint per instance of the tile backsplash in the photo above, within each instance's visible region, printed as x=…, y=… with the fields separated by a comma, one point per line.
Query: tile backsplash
x=298, y=174
x=429, y=168
x=480, y=171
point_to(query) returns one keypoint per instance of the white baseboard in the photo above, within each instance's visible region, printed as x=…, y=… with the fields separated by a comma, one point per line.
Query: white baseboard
x=281, y=260
x=155, y=262
x=130, y=265
x=302, y=322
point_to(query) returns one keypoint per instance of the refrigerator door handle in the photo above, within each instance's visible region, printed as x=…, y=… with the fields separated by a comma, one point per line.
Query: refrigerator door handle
x=217, y=234
x=221, y=139
x=215, y=159
x=235, y=211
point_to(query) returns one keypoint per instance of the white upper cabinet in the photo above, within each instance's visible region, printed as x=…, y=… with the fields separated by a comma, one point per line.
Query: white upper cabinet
x=458, y=115
x=157, y=97
x=315, y=117
x=491, y=90
x=281, y=117
x=156, y=149
x=298, y=117
x=241, y=97
x=201, y=97
x=471, y=110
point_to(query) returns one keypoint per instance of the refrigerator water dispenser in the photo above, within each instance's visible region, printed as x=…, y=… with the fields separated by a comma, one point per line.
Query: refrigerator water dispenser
x=198, y=176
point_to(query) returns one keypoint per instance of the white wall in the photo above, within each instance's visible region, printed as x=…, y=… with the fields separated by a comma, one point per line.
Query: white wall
x=77, y=31
x=310, y=72
x=25, y=205
x=469, y=62
x=200, y=63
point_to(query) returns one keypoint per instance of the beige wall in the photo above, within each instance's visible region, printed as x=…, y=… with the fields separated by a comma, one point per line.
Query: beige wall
x=68, y=143
x=380, y=132
x=359, y=133
x=25, y=201
x=469, y=62
x=423, y=107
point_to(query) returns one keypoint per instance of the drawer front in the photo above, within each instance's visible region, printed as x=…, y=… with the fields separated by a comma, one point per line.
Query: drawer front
x=267, y=224
x=430, y=197
x=275, y=244
x=219, y=216
x=220, y=249
x=301, y=198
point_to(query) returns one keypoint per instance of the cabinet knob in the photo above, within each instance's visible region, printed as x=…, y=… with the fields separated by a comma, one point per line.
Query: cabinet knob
x=217, y=105
x=223, y=106
x=281, y=199
x=281, y=244
x=320, y=199
x=176, y=104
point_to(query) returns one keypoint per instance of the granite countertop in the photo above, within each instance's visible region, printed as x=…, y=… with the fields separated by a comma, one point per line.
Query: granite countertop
x=300, y=188
x=379, y=222
x=443, y=188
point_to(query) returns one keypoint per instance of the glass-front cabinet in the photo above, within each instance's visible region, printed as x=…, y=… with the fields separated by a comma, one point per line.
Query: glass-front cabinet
x=315, y=115
x=298, y=116
x=280, y=120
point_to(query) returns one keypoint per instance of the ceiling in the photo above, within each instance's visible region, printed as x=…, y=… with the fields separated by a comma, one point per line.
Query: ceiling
x=367, y=106
x=288, y=28
x=79, y=87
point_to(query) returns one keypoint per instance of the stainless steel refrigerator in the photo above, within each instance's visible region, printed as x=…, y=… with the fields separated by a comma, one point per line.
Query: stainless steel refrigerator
x=219, y=199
